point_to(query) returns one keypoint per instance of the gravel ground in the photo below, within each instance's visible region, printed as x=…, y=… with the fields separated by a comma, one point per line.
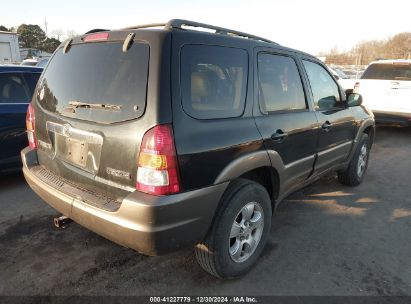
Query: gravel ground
x=326, y=239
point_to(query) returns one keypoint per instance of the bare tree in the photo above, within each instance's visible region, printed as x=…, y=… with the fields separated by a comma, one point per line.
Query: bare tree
x=70, y=34
x=396, y=47
x=57, y=34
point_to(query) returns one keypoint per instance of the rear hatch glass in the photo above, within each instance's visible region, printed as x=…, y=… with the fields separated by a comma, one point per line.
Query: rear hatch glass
x=388, y=72
x=96, y=82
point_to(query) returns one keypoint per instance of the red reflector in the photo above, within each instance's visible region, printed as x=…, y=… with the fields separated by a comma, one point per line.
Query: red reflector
x=96, y=37
x=31, y=127
x=401, y=63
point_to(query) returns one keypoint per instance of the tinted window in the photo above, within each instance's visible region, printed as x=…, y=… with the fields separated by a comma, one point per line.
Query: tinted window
x=280, y=86
x=213, y=81
x=325, y=91
x=31, y=79
x=96, y=73
x=14, y=89
x=388, y=72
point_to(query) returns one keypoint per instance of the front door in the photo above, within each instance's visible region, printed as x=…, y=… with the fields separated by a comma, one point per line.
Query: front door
x=337, y=128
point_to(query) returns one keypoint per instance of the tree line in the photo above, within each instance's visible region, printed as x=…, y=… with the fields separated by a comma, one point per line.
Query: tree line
x=33, y=36
x=395, y=47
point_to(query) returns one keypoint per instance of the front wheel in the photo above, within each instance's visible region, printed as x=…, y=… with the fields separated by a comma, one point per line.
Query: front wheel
x=355, y=172
x=239, y=232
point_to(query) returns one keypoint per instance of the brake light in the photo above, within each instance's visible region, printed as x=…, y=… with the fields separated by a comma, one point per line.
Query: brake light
x=96, y=37
x=157, y=171
x=356, y=87
x=401, y=63
x=31, y=127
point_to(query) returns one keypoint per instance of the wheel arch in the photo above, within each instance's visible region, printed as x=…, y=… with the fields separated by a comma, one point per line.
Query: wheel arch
x=259, y=167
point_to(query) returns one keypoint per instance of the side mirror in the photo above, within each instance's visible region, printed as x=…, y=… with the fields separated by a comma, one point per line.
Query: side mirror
x=354, y=100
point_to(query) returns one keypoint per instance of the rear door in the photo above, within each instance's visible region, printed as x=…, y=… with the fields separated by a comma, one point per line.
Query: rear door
x=284, y=115
x=16, y=90
x=337, y=123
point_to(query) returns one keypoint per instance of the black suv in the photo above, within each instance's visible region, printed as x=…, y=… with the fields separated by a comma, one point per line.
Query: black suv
x=160, y=138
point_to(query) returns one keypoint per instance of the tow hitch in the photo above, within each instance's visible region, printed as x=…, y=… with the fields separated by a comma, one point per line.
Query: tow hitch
x=62, y=221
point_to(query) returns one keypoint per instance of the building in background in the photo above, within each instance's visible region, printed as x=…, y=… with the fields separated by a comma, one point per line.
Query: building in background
x=9, y=48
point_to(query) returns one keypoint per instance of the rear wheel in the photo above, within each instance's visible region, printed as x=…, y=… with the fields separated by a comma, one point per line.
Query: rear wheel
x=355, y=172
x=239, y=231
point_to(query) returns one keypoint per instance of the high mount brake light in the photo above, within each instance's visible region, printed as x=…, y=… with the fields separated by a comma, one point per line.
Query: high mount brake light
x=31, y=127
x=96, y=37
x=157, y=171
x=356, y=87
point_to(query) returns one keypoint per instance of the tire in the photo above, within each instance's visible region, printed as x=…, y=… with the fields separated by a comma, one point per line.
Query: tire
x=248, y=204
x=353, y=175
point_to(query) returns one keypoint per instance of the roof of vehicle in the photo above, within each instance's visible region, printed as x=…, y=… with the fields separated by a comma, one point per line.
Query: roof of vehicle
x=20, y=68
x=205, y=29
x=392, y=61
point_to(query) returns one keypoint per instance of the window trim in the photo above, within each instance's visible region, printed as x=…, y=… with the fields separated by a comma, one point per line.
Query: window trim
x=316, y=108
x=267, y=113
x=246, y=82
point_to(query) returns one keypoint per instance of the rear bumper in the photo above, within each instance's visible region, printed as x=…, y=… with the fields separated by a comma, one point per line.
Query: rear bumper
x=152, y=225
x=395, y=118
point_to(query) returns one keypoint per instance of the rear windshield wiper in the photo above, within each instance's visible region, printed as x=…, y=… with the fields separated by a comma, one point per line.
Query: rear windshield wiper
x=79, y=104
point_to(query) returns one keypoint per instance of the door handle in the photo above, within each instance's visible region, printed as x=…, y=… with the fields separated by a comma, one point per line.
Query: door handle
x=279, y=135
x=326, y=126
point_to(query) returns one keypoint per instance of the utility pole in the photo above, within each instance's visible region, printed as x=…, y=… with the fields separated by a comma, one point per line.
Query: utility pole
x=45, y=25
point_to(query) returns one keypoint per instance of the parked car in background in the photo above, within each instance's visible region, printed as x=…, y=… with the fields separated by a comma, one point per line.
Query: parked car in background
x=29, y=62
x=386, y=90
x=42, y=63
x=17, y=84
x=188, y=138
x=345, y=81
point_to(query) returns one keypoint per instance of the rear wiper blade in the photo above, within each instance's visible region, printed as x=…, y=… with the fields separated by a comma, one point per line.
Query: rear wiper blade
x=79, y=104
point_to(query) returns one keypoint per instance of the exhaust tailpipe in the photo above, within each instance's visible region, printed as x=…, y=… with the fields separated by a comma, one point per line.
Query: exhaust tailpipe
x=62, y=221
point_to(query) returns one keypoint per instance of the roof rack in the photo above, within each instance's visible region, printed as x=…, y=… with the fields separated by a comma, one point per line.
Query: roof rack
x=180, y=23
x=145, y=26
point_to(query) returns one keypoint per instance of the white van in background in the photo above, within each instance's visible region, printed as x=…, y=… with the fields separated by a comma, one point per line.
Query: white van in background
x=386, y=89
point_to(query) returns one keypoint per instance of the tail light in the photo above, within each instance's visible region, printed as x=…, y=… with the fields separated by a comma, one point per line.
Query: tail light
x=157, y=171
x=357, y=87
x=31, y=127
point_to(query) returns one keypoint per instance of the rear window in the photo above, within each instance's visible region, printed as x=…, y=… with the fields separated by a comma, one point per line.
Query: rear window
x=97, y=74
x=213, y=81
x=388, y=72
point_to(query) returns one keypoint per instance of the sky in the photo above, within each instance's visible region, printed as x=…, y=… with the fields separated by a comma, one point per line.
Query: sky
x=311, y=26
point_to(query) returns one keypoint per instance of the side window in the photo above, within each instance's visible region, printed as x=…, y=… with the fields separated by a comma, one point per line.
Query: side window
x=280, y=87
x=13, y=88
x=325, y=91
x=213, y=81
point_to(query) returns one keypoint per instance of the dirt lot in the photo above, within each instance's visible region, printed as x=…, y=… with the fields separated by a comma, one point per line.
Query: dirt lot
x=326, y=239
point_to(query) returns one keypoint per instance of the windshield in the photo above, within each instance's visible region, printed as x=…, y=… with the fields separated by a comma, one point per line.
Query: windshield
x=388, y=71
x=97, y=73
x=340, y=73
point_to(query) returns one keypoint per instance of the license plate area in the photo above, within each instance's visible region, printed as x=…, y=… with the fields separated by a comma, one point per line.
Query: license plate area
x=76, y=151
